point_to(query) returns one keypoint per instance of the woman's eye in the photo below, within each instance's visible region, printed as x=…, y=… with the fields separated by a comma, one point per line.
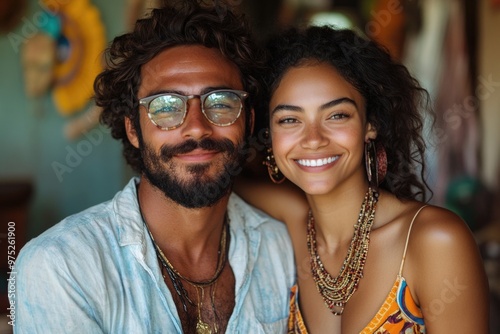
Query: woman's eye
x=339, y=116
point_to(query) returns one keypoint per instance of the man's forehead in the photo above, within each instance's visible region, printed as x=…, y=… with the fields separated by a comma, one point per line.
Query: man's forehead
x=191, y=58
x=189, y=68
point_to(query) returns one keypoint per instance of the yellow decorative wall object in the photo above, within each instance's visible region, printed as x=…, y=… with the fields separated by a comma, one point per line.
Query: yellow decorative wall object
x=80, y=49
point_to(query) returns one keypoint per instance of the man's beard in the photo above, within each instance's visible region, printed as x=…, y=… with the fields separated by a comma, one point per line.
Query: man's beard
x=193, y=188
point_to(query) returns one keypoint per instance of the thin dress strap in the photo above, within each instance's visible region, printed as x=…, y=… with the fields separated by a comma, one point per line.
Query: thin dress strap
x=407, y=239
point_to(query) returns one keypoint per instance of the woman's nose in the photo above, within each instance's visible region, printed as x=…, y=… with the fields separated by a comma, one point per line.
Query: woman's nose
x=314, y=137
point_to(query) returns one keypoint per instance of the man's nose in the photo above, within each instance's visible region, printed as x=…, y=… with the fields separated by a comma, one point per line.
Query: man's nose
x=195, y=125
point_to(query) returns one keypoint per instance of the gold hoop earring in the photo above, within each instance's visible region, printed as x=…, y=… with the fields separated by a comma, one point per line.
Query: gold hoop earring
x=272, y=169
x=274, y=172
x=371, y=164
x=375, y=163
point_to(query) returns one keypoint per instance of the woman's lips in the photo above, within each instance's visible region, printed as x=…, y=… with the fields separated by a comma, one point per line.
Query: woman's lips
x=316, y=162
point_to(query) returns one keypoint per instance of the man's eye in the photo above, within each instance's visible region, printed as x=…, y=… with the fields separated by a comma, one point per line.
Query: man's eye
x=166, y=110
x=219, y=106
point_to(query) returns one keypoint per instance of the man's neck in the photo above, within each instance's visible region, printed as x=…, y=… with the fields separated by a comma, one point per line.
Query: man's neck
x=187, y=234
x=191, y=240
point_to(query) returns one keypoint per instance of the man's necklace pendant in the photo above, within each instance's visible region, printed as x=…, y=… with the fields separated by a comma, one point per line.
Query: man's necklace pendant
x=203, y=327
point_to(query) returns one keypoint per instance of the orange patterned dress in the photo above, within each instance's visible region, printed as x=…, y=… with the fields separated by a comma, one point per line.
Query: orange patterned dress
x=399, y=313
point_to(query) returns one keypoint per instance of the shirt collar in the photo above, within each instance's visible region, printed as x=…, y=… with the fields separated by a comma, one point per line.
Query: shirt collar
x=244, y=229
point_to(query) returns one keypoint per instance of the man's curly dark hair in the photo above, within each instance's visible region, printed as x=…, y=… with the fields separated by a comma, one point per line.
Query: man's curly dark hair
x=395, y=102
x=186, y=22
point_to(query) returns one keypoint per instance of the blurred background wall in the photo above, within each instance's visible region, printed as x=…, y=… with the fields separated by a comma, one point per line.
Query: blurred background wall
x=60, y=176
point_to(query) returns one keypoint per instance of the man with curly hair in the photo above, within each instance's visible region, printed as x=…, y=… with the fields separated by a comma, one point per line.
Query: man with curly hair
x=175, y=251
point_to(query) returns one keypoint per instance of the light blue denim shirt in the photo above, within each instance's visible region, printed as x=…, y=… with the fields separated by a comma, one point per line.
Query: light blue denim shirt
x=97, y=272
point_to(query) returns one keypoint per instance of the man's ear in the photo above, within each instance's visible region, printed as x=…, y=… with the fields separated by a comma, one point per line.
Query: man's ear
x=131, y=132
x=371, y=132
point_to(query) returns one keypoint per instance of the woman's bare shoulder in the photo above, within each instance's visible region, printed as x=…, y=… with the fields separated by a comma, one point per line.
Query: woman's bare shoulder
x=436, y=227
x=444, y=267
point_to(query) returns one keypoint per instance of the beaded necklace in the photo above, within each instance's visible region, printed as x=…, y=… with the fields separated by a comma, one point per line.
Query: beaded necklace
x=176, y=277
x=336, y=291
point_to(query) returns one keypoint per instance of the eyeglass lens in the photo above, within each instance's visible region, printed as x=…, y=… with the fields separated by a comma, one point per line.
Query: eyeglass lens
x=221, y=108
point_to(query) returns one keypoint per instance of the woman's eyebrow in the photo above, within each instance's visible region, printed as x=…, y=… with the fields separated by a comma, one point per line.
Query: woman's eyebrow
x=288, y=107
x=335, y=102
x=327, y=105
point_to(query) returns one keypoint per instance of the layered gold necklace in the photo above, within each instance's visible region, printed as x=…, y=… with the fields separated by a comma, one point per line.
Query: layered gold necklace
x=176, y=278
x=336, y=291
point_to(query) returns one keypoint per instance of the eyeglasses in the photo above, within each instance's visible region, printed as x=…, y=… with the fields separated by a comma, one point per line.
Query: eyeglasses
x=220, y=107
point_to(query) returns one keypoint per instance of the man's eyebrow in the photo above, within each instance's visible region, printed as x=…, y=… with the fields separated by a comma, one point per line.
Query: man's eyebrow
x=173, y=91
x=163, y=91
x=327, y=105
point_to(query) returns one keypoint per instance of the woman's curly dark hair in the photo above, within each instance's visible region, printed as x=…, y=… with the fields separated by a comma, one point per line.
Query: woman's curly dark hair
x=188, y=22
x=395, y=101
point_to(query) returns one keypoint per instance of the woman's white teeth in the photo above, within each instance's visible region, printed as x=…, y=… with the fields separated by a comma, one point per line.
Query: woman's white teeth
x=316, y=162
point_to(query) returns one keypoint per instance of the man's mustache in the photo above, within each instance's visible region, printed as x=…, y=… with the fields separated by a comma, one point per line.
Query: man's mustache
x=223, y=145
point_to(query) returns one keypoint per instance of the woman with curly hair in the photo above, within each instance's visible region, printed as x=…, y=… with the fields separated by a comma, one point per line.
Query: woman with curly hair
x=345, y=123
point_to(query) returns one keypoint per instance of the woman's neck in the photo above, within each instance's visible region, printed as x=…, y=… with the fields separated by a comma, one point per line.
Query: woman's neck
x=336, y=213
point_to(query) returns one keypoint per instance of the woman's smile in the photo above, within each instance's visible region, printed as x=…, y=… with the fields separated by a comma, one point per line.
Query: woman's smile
x=317, y=162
